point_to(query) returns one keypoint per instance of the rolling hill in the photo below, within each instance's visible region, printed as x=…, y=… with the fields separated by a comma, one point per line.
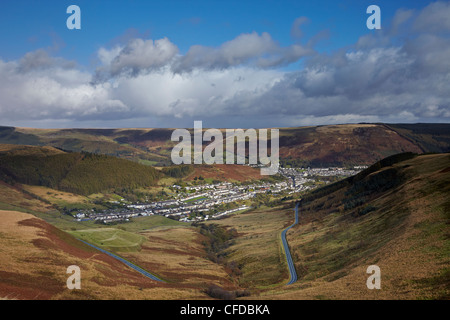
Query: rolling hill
x=328, y=145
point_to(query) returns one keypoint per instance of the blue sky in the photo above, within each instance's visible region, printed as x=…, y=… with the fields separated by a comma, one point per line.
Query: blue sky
x=191, y=42
x=30, y=25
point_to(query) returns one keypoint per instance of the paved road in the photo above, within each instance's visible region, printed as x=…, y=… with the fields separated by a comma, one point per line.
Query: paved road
x=292, y=272
x=138, y=269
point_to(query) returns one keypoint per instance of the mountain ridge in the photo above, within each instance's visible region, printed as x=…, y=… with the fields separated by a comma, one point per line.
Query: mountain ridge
x=325, y=145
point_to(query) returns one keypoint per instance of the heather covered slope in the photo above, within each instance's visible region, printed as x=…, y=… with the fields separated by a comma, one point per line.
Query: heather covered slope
x=35, y=256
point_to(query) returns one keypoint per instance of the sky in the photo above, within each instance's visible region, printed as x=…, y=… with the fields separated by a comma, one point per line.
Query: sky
x=230, y=64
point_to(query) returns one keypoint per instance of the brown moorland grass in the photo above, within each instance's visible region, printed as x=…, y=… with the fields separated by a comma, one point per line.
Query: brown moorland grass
x=35, y=256
x=56, y=196
x=343, y=144
x=26, y=150
x=177, y=255
x=224, y=172
x=13, y=198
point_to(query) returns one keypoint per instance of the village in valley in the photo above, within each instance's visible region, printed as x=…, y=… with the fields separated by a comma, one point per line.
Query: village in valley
x=205, y=201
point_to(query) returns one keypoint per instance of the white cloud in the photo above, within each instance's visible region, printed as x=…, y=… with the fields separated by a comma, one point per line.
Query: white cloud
x=200, y=93
x=246, y=49
x=53, y=93
x=137, y=56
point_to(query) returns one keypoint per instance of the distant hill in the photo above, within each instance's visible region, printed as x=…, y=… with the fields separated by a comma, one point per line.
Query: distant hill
x=329, y=145
x=353, y=144
x=23, y=150
x=80, y=173
x=429, y=138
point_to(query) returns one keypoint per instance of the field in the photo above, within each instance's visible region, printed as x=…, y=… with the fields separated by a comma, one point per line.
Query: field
x=12, y=198
x=60, y=199
x=111, y=239
x=172, y=251
x=177, y=255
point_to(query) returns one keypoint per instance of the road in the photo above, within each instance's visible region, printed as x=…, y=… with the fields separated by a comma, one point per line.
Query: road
x=138, y=269
x=292, y=272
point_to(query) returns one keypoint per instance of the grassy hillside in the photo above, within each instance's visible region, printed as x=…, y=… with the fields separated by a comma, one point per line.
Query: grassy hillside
x=80, y=173
x=38, y=254
x=257, y=250
x=394, y=215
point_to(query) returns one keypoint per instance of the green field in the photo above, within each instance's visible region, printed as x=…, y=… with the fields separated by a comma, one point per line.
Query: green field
x=111, y=238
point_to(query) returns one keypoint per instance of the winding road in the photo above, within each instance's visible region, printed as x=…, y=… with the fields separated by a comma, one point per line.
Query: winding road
x=138, y=269
x=292, y=272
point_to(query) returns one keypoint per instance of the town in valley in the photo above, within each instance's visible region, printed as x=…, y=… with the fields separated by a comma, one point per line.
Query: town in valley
x=203, y=201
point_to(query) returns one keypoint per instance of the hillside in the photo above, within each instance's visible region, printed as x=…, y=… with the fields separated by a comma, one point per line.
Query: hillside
x=344, y=145
x=394, y=215
x=38, y=255
x=329, y=145
x=80, y=173
x=430, y=138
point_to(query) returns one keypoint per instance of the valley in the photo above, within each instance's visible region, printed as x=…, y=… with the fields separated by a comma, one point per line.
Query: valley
x=214, y=232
